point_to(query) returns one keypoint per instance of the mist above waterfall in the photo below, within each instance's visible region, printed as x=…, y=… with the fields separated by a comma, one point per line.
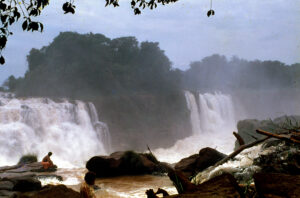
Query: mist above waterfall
x=260, y=89
x=71, y=131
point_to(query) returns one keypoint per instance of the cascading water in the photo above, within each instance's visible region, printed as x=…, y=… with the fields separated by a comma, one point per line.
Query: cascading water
x=71, y=131
x=212, y=121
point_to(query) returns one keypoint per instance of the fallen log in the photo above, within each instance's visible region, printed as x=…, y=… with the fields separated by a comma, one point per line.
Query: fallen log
x=288, y=137
x=239, y=138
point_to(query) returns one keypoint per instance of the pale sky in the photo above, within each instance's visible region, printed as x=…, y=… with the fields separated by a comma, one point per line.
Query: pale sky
x=249, y=29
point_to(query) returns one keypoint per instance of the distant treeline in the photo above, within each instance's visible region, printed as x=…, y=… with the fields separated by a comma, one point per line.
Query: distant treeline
x=76, y=65
x=216, y=72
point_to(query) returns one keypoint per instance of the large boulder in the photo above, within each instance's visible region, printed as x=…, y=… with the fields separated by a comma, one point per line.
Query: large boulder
x=123, y=163
x=25, y=184
x=195, y=163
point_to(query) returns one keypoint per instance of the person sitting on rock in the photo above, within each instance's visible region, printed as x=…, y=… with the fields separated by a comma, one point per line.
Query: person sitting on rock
x=87, y=187
x=47, y=162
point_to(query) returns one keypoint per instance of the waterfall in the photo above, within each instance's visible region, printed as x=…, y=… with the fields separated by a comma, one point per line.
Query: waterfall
x=70, y=130
x=212, y=120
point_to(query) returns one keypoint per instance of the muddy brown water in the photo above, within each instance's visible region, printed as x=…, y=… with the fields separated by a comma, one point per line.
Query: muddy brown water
x=115, y=187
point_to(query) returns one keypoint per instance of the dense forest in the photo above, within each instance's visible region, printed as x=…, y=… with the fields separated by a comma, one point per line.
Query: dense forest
x=134, y=87
x=77, y=65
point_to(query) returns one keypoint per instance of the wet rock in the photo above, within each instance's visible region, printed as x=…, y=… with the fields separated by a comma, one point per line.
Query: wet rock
x=25, y=184
x=50, y=191
x=198, y=162
x=6, y=185
x=28, y=167
x=122, y=163
x=221, y=186
x=285, y=158
x=7, y=194
x=277, y=185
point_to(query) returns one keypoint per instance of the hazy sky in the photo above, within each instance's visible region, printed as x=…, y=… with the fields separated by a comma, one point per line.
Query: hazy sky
x=250, y=29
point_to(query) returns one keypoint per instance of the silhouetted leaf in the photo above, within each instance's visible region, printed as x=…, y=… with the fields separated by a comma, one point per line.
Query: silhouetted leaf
x=2, y=60
x=3, y=18
x=42, y=27
x=137, y=11
x=3, y=41
x=24, y=25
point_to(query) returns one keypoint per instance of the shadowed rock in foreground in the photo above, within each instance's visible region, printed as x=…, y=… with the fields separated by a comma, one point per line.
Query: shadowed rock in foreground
x=195, y=163
x=125, y=163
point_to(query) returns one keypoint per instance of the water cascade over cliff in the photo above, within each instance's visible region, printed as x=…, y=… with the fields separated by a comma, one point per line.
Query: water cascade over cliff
x=71, y=130
x=212, y=120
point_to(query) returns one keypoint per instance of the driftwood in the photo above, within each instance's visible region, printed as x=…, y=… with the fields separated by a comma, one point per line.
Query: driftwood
x=293, y=137
x=239, y=138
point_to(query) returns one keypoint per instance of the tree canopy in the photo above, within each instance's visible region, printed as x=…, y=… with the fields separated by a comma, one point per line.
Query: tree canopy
x=74, y=65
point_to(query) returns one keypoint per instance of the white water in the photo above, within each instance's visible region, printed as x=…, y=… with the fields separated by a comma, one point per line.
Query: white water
x=212, y=120
x=72, y=132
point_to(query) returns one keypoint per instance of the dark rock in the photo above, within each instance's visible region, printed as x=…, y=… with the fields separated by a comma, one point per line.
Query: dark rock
x=277, y=185
x=25, y=184
x=32, y=167
x=188, y=165
x=284, y=159
x=50, y=191
x=221, y=186
x=198, y=162
x=122, y=163
x=6, y=168
x=6, y=185
x=7, y=194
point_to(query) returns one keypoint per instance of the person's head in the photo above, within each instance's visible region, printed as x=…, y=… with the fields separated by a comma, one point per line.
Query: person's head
x=49, y=154
x=89, y=178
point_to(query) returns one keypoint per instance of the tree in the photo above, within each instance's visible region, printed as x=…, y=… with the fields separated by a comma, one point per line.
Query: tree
x=12, y=10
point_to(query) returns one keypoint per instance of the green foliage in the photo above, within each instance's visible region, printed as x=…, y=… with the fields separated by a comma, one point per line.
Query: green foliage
x=137, y=5
x=11, y=83
x=12, y=10
x=29, y=158
x=75, y=65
